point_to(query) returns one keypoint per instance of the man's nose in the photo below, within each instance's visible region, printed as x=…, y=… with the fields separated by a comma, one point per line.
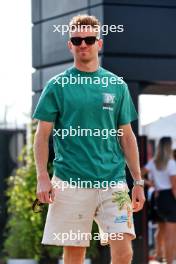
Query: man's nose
x=83, y=44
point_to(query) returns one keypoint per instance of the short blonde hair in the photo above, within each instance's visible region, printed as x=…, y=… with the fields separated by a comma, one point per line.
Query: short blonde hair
x=83, y=22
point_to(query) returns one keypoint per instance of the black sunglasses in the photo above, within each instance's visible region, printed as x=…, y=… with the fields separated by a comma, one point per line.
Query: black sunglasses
x=76, y=41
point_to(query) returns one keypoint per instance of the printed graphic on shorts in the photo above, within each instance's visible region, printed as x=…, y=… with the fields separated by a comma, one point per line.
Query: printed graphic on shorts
x=108, y=101
x=121, y=219
x=123, y=201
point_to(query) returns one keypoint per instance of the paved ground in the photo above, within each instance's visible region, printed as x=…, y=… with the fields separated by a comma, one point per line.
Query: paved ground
x=156, y=262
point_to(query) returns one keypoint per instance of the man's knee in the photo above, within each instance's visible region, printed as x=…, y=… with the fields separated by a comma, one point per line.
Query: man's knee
x=122, y=256
x=126, y=256
x=74, y=254
x=121, y=251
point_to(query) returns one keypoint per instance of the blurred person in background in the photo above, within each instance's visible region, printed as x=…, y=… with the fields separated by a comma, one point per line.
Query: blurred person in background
x=162, y=175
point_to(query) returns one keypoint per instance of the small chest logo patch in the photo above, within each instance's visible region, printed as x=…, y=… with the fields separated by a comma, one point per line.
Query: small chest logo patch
x=108, y=101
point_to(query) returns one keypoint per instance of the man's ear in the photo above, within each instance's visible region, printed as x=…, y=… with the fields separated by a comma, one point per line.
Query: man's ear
x=69, y=45
x=100, y=44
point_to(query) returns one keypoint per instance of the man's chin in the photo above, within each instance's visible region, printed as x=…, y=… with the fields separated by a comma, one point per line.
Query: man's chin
x=85, y=59
x=84, y=55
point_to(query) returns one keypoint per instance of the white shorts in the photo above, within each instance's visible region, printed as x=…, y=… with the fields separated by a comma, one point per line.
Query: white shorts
x=70, y=216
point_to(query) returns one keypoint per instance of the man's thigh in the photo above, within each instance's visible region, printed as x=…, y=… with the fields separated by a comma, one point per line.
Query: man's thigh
x=114, y=215
x=70, y=217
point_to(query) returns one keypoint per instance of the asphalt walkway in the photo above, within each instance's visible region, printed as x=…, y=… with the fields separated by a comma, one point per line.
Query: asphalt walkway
x=156, y=262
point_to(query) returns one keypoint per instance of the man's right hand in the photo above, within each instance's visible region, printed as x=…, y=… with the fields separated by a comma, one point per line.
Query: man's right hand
x=45, y=191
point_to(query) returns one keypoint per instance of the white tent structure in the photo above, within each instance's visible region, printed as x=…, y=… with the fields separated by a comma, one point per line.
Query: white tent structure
x=165, y=126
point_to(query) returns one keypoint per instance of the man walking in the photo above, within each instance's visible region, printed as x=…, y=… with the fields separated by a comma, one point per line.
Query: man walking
x=89, y=110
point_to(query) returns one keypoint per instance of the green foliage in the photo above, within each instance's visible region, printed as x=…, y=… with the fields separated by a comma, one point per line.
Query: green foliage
x=24, y=227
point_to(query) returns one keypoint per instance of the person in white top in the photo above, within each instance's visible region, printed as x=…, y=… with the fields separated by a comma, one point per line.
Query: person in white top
x=161, y=170
x=161, y=177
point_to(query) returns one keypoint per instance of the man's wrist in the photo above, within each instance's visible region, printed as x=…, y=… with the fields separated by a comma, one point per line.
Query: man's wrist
x=43, y=174
x=138, y=182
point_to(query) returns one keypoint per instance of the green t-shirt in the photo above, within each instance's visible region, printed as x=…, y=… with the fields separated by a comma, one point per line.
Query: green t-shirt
x=93, y=109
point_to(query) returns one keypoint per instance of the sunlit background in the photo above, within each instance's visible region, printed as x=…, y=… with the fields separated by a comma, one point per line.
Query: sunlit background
x=15, y=63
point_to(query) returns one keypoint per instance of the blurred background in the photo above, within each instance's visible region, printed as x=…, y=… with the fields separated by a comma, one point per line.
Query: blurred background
x=31, y=53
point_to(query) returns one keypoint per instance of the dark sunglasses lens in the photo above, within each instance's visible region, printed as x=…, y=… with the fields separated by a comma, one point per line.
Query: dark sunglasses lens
x=90, y=40
x=76, y=41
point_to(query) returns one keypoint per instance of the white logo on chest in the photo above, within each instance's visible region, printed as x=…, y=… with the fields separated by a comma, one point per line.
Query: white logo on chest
x=108, y=101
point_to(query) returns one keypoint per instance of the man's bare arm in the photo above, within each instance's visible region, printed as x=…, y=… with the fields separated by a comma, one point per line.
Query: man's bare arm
x=129, y=146
x=130, y=149
x=41, y=150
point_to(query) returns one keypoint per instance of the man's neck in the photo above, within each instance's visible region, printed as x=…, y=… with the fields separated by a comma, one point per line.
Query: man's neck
x=87, y=67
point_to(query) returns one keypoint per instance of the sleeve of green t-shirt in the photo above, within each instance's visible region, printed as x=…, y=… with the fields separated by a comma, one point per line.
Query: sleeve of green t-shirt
x=127, y=112
x=47, y=107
